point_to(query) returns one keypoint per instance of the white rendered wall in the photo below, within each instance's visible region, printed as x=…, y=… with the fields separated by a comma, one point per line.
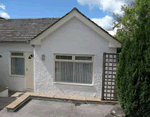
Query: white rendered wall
x=76, y=38
x=15, y=83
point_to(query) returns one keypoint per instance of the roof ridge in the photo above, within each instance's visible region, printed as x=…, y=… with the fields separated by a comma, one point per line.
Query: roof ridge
x=33, y=18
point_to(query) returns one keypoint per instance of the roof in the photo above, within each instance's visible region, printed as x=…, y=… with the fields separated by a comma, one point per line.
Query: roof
x=22, y=30
x=25, y=30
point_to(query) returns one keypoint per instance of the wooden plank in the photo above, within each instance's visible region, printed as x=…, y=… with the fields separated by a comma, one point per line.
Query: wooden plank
x=17, y=102
x=46, y=95
x=92, y=99
x=17, y=94
x=32, y=94
x=62, y=96
x=77, y=98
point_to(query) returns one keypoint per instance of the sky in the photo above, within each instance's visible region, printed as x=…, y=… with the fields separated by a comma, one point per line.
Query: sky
x=99, y=11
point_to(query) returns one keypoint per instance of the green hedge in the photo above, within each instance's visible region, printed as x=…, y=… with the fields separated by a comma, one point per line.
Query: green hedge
x=133, y=72
x=133, y=79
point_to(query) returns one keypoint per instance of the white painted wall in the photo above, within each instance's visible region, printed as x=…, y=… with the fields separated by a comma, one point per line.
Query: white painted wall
x=13, y=83
x=76, y=38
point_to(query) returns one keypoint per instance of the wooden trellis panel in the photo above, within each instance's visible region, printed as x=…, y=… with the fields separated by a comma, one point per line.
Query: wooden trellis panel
x=109, y=76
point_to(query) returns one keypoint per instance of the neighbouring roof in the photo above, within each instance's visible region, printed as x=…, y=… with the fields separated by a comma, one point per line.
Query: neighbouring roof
x=22, y=30
x=25, y=30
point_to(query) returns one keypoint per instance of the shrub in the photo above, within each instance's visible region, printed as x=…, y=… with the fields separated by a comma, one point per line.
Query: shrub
x=133, y=72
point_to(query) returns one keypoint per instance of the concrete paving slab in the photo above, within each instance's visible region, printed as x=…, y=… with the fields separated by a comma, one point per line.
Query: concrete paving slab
x=117, y=111
x=5, y=101
x=41, y=108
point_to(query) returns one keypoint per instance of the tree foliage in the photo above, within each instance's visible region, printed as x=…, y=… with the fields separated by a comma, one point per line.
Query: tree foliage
x=133, y=73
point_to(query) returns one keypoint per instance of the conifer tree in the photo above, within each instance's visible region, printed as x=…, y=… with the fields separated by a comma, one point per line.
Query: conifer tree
x=133, y=71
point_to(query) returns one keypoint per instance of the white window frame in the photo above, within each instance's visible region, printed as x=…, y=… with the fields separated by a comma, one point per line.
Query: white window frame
x=15, y=57
x=73, y=60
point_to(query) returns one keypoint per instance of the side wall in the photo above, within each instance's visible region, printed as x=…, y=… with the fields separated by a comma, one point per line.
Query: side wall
x=15, y=83
x=74, y=37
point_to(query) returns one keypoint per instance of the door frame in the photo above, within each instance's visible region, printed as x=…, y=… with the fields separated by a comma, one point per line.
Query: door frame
x=25, y=70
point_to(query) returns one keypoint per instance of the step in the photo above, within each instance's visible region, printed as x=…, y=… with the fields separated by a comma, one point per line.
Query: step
x=3, y=91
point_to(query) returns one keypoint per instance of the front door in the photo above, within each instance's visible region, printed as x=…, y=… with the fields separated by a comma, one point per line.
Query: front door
x=29, y=71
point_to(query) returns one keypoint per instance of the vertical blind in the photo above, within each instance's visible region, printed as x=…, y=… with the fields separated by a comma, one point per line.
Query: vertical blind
x=75, y=72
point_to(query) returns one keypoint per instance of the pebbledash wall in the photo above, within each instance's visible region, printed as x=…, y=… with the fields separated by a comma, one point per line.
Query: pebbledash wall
x=15, y=83
x=73, y=37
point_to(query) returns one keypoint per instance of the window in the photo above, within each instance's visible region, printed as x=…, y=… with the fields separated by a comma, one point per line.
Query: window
x=73, y=69
x=17, y=63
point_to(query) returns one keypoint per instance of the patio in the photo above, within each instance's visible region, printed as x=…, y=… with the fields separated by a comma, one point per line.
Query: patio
x=47, y=108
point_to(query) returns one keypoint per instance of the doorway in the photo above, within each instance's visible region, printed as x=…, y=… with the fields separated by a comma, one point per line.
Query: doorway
x=29, y=71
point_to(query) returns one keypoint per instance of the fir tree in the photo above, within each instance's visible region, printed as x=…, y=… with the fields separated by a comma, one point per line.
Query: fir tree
x=133, y=72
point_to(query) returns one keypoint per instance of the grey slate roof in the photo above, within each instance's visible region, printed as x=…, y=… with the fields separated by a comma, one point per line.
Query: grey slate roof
x=22, y=30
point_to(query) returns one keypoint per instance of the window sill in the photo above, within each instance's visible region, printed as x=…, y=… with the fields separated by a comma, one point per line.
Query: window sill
x=73, y=84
